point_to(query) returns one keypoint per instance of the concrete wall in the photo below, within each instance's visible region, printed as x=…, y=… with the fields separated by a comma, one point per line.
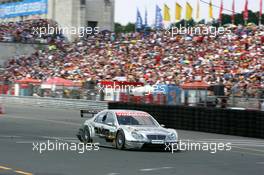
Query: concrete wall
x=8, y=50
x=101, y=11
x=70, y=13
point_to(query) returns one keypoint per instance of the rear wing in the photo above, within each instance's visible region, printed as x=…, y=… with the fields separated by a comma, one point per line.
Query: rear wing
x=88, y=113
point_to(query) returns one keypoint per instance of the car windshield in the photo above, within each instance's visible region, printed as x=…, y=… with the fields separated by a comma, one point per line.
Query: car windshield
x=135, y=119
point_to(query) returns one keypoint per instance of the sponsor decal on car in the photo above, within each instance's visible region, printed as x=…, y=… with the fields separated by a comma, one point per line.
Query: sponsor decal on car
x=141, y=114
x=157, y=141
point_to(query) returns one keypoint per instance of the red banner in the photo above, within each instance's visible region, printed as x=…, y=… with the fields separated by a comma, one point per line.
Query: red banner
x=260, y=10
x=221, y=11
x=246, y=11
x=233, y=12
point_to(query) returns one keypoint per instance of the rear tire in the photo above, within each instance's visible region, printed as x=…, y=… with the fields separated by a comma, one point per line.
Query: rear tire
x=86, y=137
x=120, y=140
x=80, y=134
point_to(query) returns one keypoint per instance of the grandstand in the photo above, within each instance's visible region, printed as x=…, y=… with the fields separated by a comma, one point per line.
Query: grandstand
x=226, y=59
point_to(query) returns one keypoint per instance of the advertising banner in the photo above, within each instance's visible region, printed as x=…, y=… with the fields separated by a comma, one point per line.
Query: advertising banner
x=24, y=8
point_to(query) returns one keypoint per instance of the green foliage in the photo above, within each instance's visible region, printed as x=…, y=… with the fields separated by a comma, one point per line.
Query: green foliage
x=118, y=28
x=130, y=27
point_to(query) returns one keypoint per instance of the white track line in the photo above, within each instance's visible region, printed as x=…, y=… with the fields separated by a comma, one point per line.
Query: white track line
x=154, y=169
x=250, y=149
x=260, y=163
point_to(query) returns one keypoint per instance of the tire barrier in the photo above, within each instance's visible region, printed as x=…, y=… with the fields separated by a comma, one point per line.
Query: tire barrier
x=248, y=123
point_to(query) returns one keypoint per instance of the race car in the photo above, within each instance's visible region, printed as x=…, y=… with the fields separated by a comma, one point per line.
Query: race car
x=126, y=129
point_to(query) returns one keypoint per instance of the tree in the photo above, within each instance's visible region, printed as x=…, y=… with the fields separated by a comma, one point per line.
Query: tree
x=130, y=27
x=118, y=28
x=253, y=17
x=189, y=23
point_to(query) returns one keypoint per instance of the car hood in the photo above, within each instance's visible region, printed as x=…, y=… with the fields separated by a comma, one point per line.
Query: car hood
x=146, y=129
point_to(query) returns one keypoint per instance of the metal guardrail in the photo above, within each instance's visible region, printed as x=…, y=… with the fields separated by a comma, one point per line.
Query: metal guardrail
x=55, y=102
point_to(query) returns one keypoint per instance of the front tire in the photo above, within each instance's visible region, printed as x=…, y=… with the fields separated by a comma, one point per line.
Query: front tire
x=120, y=140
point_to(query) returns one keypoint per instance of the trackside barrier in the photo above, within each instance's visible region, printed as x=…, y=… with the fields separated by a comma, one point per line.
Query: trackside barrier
x=248, y=123
x=55, y=103
x=91, y=113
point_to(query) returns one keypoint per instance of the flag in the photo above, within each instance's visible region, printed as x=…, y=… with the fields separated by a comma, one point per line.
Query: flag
x=211, y=10
x=166, y=13
x=260, y=10
x=198, y=10
x=139, y=22
x=221, y=11
x=178, y=11
x=158, y=18
x=189, y=11
x=233, y=12
x=245, y=14
x=146, y=18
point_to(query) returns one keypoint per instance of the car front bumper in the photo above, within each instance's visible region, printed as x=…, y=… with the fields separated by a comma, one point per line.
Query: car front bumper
x=147, y=144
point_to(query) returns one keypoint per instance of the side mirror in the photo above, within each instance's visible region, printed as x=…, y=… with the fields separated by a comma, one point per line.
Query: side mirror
x=162, y=125
x=110, y=124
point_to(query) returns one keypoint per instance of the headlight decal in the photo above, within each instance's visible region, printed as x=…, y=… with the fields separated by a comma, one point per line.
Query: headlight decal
x=172, y=136
x=137, y=136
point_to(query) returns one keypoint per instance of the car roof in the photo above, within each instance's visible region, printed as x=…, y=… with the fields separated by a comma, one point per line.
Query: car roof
x=122, y=110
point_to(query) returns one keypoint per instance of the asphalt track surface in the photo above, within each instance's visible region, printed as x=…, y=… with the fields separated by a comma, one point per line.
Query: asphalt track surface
x=21, y=126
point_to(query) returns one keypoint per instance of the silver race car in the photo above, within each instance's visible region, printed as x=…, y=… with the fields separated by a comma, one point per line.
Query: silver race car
x=126, y=129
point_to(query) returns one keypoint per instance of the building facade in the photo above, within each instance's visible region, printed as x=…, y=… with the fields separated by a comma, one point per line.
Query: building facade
x=68, y=13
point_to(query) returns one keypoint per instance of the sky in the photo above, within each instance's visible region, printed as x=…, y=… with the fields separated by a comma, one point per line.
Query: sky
x=125, y=10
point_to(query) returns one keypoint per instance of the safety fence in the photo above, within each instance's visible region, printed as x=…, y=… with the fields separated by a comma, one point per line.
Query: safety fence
x=54, y=102
x=129, y=92
x=249, y=123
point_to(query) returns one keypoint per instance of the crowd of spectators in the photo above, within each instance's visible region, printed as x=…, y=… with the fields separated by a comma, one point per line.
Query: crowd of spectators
x=29, y=31
x=235, y=59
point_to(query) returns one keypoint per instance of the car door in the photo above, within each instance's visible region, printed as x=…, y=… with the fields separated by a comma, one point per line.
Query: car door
x=109, y=129
x=98, y=127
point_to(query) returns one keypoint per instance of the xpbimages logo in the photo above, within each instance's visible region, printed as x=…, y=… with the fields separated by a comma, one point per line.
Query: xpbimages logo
x=51, y=30
x=188, y=145
x=116, y=88
x=42, y=147
x=204, y=30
